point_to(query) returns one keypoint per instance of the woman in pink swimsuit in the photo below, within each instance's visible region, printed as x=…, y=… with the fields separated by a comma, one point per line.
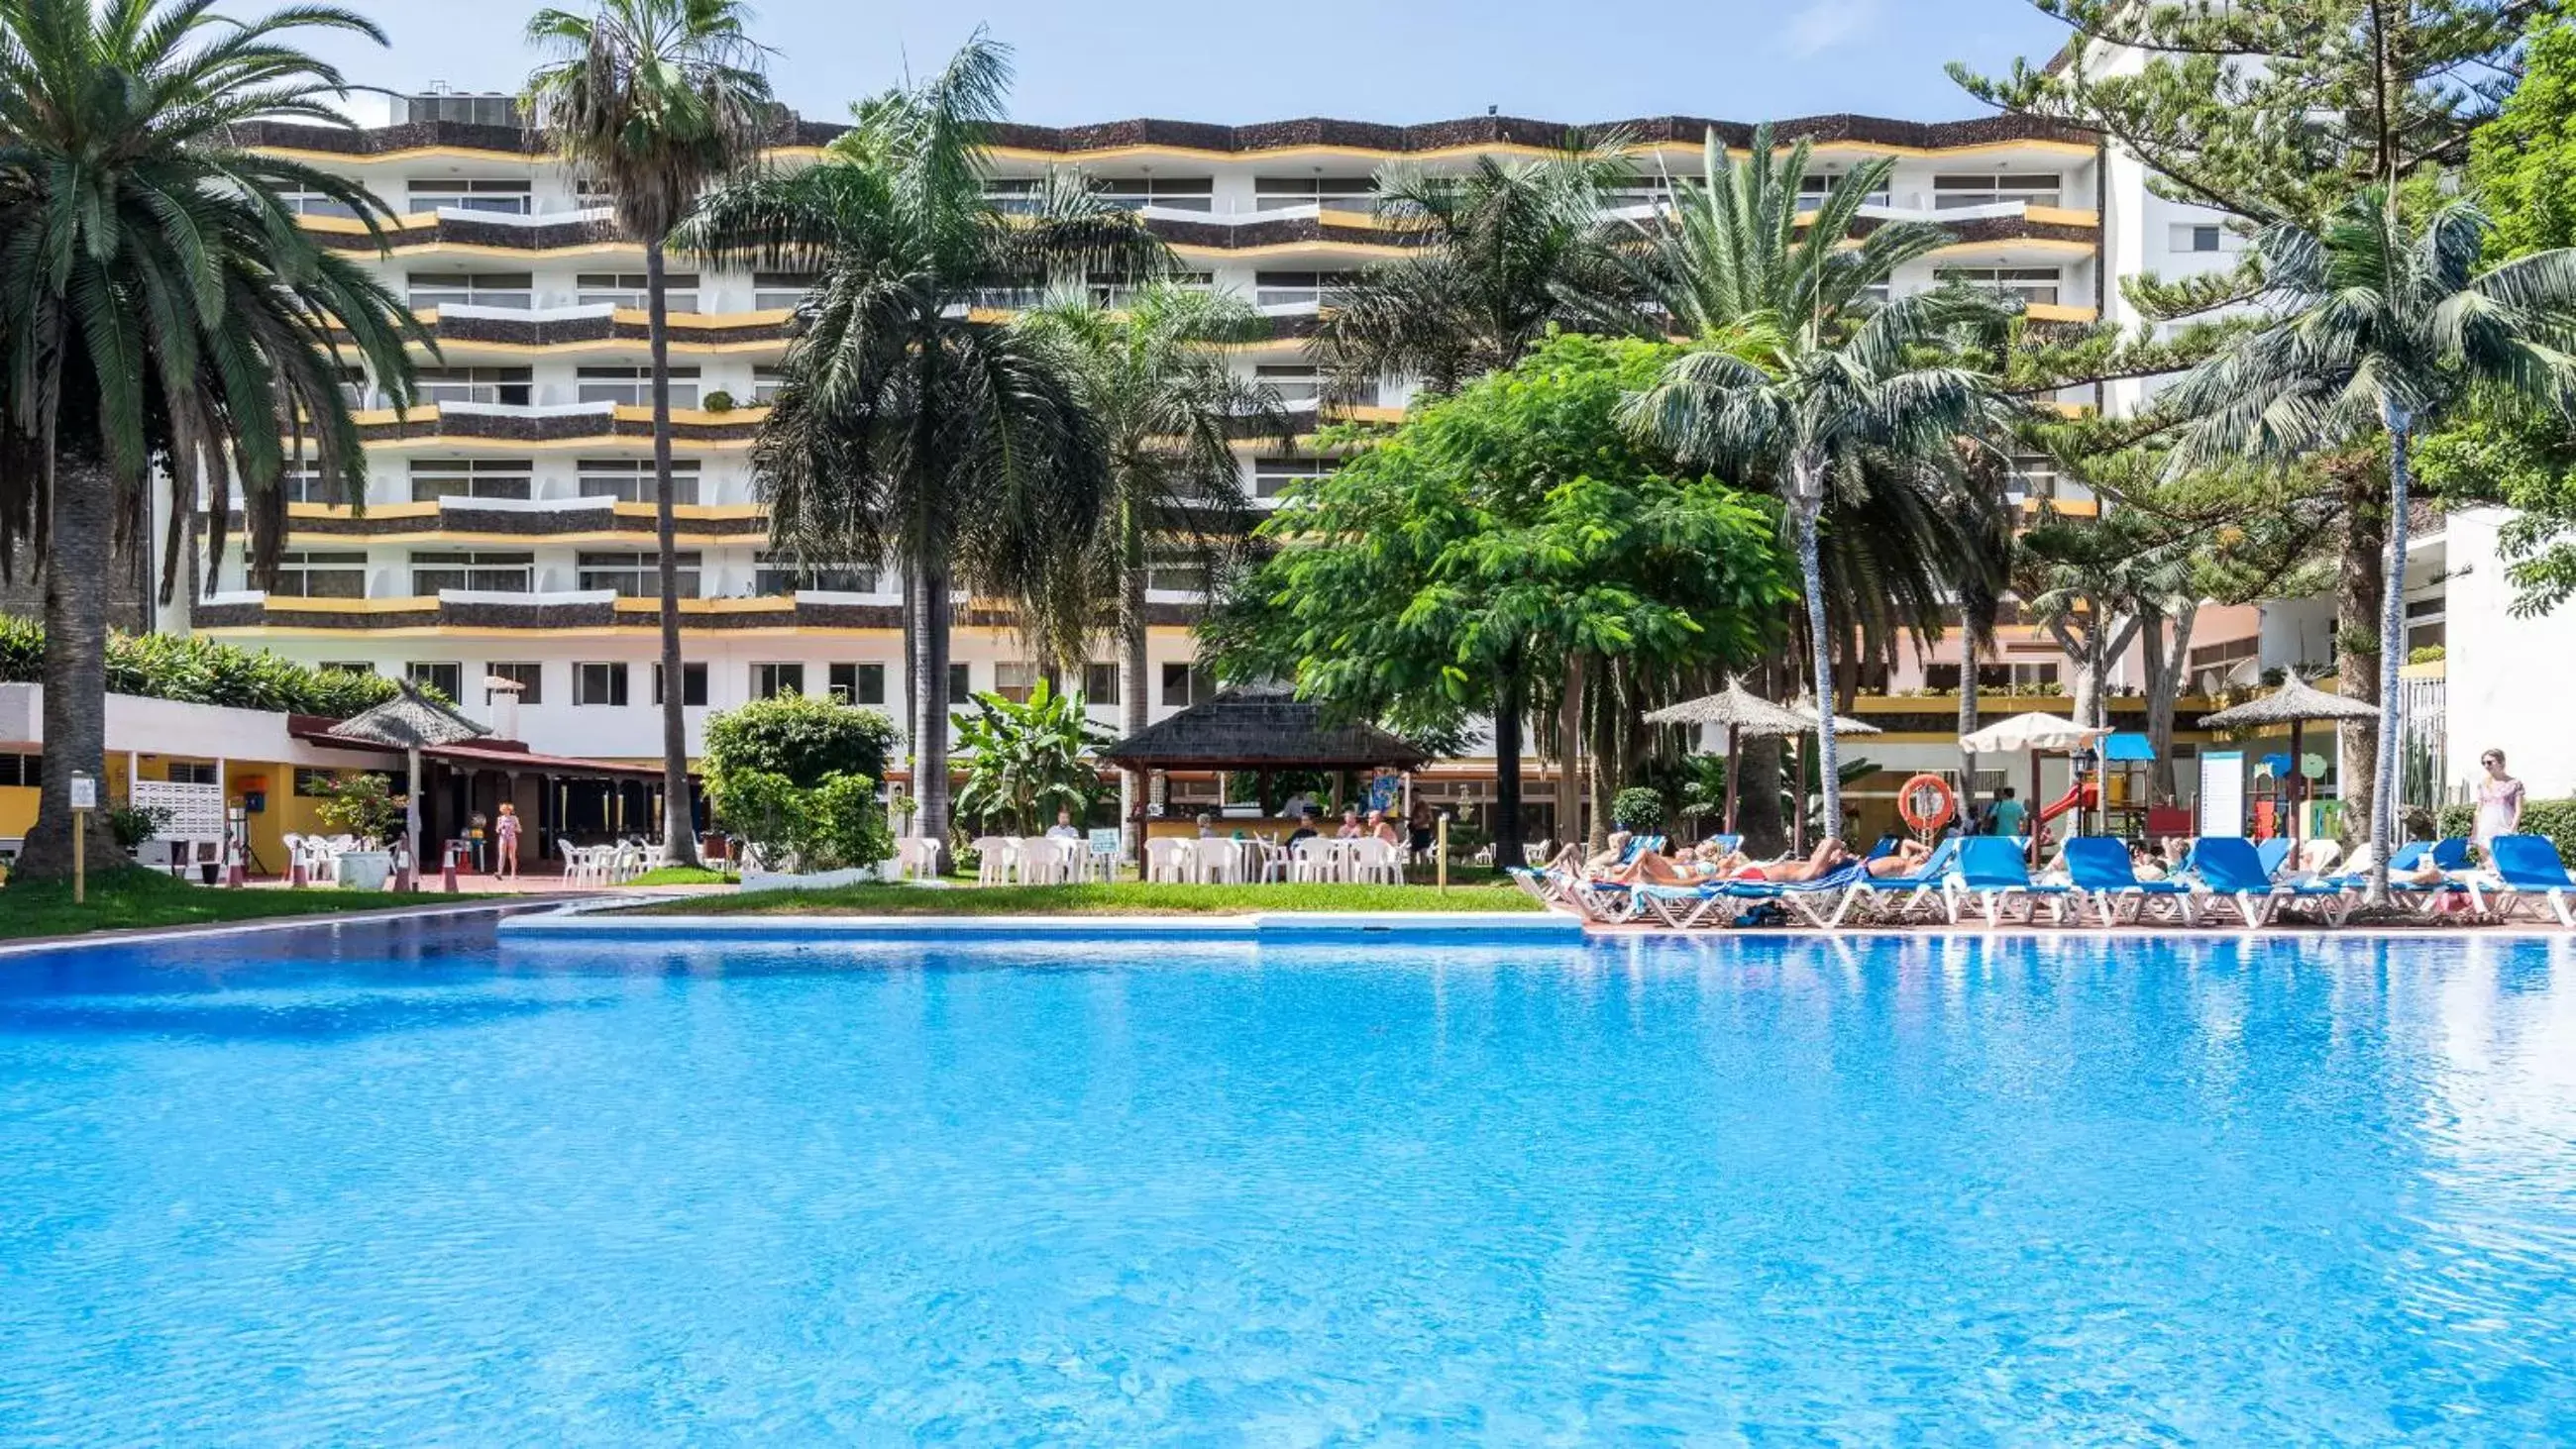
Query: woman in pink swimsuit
x=2499, y=803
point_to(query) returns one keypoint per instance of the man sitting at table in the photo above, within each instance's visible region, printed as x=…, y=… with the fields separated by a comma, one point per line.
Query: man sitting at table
x=1306, y=826
x=1063, y=827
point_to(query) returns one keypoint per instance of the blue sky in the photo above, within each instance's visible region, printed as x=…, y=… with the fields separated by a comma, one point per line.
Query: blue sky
x=1413, y=60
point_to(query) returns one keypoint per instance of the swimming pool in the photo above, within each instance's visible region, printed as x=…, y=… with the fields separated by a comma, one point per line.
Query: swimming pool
x=391, y=1185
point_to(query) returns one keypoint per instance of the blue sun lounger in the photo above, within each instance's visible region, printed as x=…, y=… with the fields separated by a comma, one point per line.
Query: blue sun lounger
x=2532, y=874
x=2232, y=875
x=1924, y=883
x=2098, y=868
x=1992, y=871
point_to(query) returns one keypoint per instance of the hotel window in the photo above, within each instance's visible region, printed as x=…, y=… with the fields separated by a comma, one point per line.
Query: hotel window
x=436, y=478
x=630, y=480
x=2205, y=236
x=478, y=572
x=445, y=678
x=497, y=386
x=780, y=291
x=1187, y=684
x=775, y=575
x=529, y=677
x=314, y=574
x=1297, y=289
x=765, y=383
x=1171, y=193
x=2034, y=475
x=693, y=685
x=961, y=682
x=505, y=195
x=1013, y=195
x=306, y=483
x=1294, y=382
x=2426, y=625
x=192, y=772
x=1015, y=679
x=635, y=575
x=628, y=289
x=1812, y=190
x=633, y=386
x=1100, y=682
x=599, y=683
x=316, y=203
x=768, y=681
x=1176, y=575
x=1341, y=193
x=1950, y=193
x=1109, y=289
x=2030, y=284
x=1273, y=477
x=2210, y=656
x=857, y=683
x=514, y=290
x=1637, y=194
x=461, y=109
x=313, y=784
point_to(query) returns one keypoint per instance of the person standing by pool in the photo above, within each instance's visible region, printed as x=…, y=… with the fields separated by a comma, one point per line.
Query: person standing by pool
x=2499, y=804
x=505, y=842
x=2008, y=813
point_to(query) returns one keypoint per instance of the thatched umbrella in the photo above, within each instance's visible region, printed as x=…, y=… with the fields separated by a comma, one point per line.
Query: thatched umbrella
x=1743, y=713
x=2040, y=733
x=410, y=722
x=2294, y=704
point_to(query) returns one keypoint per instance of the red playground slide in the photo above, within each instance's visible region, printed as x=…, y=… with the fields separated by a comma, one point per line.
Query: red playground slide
x=2082, y=794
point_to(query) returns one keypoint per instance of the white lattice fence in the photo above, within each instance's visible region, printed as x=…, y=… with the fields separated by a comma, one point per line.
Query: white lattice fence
x=196, y=811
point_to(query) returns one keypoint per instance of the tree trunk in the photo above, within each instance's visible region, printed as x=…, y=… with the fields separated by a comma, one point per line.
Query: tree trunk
x=2385, y=801
x=1569, y=753
x=679, y=827
x=2359, y=589
x=930, y=714
x=1511, y=694
x=76, y=578
x=1810, y=501
x=1967, y=806
x=2164, y=686
x=1133, y=705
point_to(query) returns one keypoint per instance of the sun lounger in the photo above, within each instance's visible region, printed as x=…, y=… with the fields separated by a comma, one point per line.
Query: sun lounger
x=1821, y=901
x=2103, y=878
x=2273, y=854
x=2232, y=875
x=2532, y=874
x=1923, y=884
x=1991, y=870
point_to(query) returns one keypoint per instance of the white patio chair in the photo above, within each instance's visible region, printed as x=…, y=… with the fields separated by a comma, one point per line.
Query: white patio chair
x=916, y=857
x=1040, y=861
x=1163, y=860
x=1311, y=859
x=1373, y=860
x=992, y=859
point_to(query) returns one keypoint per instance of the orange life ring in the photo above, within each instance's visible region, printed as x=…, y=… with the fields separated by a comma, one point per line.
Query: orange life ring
x=1923, y=820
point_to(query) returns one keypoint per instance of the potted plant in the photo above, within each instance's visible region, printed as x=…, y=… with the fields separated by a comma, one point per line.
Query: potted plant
x=718, y=401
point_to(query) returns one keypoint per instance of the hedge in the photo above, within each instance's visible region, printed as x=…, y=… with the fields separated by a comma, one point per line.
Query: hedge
x=2555, y=819
x=201, y=671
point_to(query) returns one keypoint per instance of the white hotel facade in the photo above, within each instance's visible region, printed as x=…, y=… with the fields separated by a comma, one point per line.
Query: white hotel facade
x=508, y=525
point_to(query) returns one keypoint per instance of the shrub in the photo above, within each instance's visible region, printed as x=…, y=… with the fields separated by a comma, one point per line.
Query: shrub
x=1638, y=810
x=131, y=824
x=718, y=401
x=202, y=671
x=362, y=804
x=804, y=739
x=2555, y=819
x=834, y=826
x=1027, y=760
x=2427, y=654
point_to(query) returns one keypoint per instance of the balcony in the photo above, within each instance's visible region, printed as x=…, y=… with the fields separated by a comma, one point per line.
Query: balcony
x=603, y=327
x=563, y=424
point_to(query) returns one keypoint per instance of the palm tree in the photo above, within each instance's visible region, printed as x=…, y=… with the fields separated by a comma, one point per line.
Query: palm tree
x=2377, y=326
x=656, y=100
x=1169, y=411
x=160, y=308
x=911, y=425
x=1799, y=403
x=1809, y=379
x=1507, y=250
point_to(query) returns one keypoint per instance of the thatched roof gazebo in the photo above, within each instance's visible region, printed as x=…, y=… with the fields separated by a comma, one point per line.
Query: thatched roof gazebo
x=2296, y=703
x=410, y=722
x=1261, y=729
x=1743, y=713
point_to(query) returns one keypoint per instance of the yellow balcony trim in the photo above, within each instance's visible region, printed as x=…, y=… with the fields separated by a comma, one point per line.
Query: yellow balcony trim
x=283, y=605
x=2021, y=243
x=1328, y=248
x=2059, y=312
x=374, y=510
x=2062, y=216
x=711, y=606
x=686, y=512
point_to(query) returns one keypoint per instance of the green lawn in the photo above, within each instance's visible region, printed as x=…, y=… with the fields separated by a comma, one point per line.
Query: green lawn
x=666, y=875
x=133, y=899
x=1126, y=898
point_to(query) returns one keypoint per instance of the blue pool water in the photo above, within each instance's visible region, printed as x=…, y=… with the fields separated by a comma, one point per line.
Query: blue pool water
x=369, y=1185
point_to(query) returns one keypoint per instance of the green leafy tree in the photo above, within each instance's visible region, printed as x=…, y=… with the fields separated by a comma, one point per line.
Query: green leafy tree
x=908, y=425
x=1504, y=252
x=1025, y=760
x=1445, y=570
x=2379, y=325
x=656, y=100
x=803, y=740
x=1169, y=411
x=162, y=314
x=362, y=803
x=835, y=824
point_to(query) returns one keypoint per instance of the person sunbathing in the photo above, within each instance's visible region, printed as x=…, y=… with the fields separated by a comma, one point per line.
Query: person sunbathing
x=1696, y=865
x=1572, y=861
x=1829, y=855
x=1906, y=859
